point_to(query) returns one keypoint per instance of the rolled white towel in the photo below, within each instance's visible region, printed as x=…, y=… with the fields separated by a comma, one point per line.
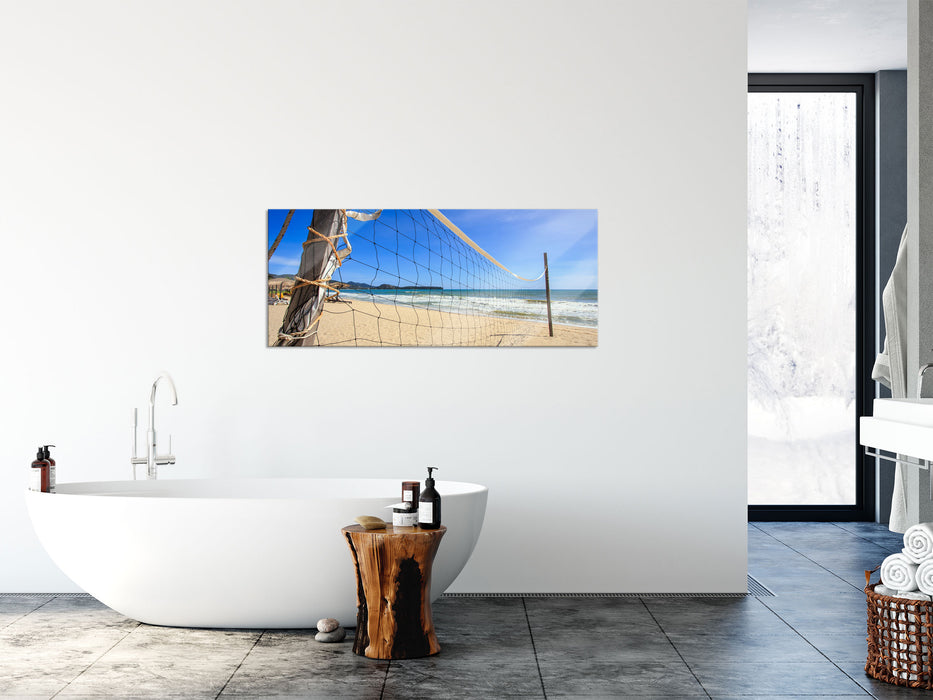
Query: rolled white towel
x=881, y=589
x=918, y=542
x=925, y=577
x=899, y=572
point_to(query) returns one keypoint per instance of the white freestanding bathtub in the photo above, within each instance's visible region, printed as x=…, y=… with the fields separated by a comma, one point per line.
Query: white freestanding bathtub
x=247, y=553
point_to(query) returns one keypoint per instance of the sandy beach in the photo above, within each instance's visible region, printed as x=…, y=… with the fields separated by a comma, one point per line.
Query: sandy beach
x=364, y=323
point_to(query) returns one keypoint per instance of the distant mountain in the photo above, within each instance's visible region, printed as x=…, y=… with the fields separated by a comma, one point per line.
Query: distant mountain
x=361, y=285
x=282, y=282
x=288, y=281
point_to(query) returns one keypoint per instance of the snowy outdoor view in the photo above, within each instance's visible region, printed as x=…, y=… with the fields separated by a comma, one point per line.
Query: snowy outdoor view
x=801, y=298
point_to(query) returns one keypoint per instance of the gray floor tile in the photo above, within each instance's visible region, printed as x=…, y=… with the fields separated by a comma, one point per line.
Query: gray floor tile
x=12, y=608
x=813, y=529
x=548, y=616
x=633, y=694
x=440, y=677
x=75, y=613
x=775, y=678
x=292, y=663
x=134, y=694
x=853, y=572
x=842, y=648
x=849, y=545
x=807, y=624
x=620, y=679
x=19, y=678
x=871, y=531
x=604, y=608
x=42, y=652
x=848, y=598
x=745, y=648
x=567, y=647
x=449, y=694
x=22, y=604
x=264, y=696
x=715, y=616
x=487, y=647
x=828, y=609
x=167, y=661
x=462, y=614
x=789, y=583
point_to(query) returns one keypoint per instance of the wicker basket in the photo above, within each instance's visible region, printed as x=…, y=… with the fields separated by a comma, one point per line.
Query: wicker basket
x=900, y=639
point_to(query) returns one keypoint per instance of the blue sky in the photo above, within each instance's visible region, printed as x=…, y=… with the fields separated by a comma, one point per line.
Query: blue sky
x=517, y=238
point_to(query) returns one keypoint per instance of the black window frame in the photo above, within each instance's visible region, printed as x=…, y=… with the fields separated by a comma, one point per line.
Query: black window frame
x=863, y=85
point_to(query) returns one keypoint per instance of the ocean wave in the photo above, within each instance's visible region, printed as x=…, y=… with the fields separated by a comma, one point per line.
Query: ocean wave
x=574, y=312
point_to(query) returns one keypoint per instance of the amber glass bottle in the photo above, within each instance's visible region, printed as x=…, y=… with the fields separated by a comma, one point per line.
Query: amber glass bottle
x=411, y=493
x=40, y=474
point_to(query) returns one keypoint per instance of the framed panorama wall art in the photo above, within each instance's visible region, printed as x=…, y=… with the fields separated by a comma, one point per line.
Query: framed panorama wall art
x=426, y=277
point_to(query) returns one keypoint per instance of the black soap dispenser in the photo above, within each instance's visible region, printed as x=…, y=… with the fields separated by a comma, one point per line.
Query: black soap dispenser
x=429, y=507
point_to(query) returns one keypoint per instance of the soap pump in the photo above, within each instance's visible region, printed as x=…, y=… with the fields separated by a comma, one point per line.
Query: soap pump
x=429, y=508
x=40, y=472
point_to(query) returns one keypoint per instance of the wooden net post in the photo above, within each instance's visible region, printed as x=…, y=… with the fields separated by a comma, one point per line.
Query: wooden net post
x=547, y=292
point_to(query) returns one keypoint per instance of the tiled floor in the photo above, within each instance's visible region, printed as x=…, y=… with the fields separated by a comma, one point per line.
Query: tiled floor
x=806, y=641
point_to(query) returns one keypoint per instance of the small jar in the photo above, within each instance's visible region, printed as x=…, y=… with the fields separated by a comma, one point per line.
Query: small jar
x=403, y=515
x=411, y=493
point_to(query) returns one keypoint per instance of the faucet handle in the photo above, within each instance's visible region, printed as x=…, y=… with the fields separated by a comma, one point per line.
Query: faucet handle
x=134, y=460
x=167, y=458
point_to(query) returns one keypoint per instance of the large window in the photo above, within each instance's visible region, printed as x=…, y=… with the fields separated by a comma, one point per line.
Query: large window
x=808, y=217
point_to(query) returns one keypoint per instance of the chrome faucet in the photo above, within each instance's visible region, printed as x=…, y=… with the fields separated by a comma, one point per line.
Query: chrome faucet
x=152, y=459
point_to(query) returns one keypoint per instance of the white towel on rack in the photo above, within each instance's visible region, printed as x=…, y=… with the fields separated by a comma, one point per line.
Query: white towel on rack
x=899, y=572
x=891, y=365
x=918, y=542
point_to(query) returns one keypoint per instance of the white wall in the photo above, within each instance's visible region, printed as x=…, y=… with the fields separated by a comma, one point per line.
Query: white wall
x=143, y=142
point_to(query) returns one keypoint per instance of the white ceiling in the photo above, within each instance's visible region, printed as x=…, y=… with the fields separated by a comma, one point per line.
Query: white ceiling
x=826, y=36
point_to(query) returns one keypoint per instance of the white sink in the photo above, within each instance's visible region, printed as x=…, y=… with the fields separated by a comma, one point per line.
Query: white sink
x=903, y=426
x=913, y=411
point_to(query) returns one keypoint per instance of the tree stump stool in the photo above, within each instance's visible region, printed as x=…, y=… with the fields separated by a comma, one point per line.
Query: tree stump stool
x=393, y=591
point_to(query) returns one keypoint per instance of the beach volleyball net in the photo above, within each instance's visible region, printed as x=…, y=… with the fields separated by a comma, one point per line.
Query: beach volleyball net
x=399, y=278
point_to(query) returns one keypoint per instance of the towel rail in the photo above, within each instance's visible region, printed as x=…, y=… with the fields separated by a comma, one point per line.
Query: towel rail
x=921, y=463
x=923, y=370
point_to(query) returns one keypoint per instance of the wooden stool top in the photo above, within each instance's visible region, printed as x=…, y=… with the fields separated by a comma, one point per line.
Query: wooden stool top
x=391, y=530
